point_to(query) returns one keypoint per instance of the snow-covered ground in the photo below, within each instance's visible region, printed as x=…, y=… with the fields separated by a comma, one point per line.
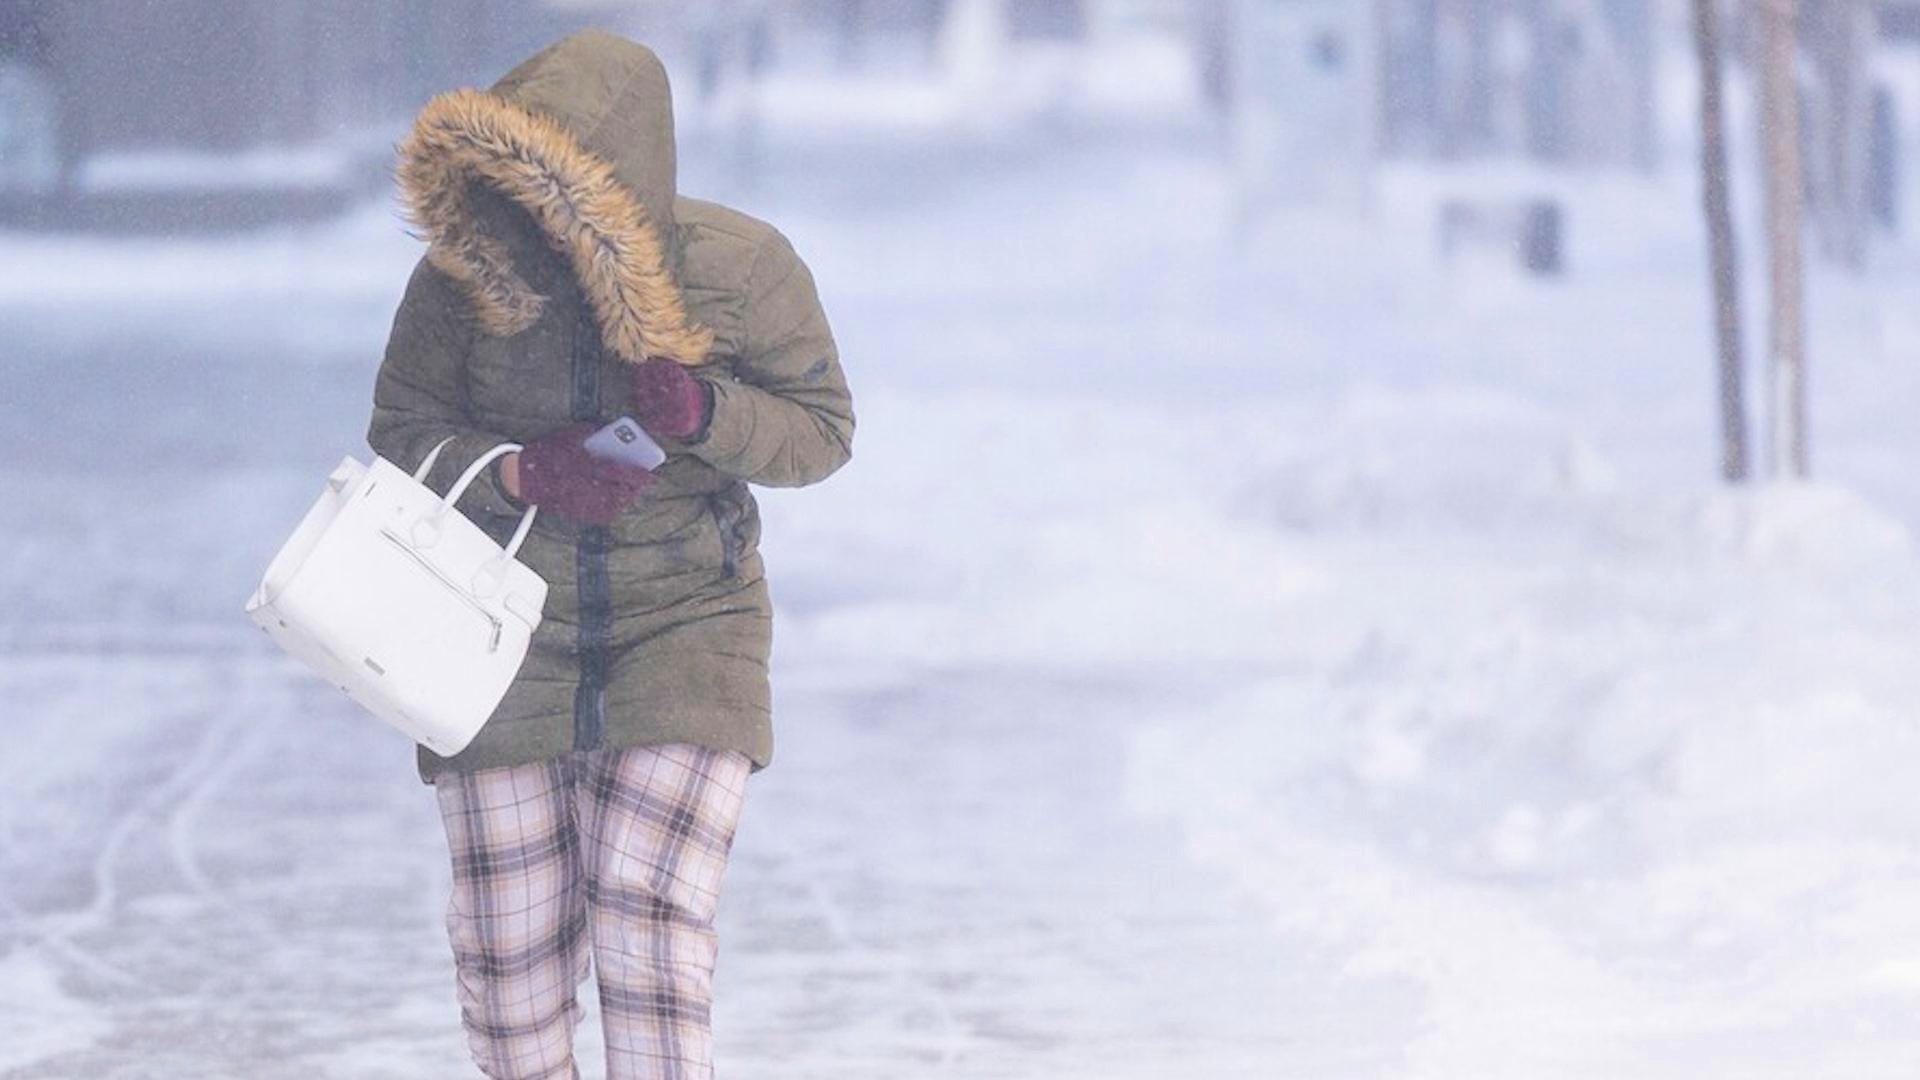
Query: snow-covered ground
x=1230, y=653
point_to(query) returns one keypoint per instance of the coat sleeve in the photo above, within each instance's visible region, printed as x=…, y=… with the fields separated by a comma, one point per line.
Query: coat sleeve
x=785, y=417
x=419, y=395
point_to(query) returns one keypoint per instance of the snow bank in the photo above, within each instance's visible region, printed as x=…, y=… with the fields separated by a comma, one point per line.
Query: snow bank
x=1627, y=790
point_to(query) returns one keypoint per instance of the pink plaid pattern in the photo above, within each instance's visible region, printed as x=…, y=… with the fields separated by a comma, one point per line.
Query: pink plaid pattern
x=617, y=853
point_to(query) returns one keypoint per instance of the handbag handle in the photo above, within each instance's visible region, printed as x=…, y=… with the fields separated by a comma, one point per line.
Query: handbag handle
x=459, y=488
x=426, y=464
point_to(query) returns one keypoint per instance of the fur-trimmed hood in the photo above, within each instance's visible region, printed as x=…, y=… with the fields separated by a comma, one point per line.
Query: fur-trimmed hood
x=580, y=135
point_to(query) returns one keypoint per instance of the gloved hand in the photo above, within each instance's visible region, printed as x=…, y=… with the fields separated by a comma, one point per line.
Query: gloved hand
x=558, y=474
x=667, y=400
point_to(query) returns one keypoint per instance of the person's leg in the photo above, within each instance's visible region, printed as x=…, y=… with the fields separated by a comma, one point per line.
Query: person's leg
x=657, y=823
x=517, y=916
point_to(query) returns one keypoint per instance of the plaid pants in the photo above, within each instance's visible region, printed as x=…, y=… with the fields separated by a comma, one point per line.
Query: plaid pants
x=617, y=852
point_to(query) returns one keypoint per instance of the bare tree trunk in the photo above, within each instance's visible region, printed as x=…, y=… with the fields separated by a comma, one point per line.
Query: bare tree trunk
x=1720, y=244
x=1786, y=344
x=1635, y=26
x=1409, y=72
x=1838, y=39
x=1476, y=124
x=1213, y=42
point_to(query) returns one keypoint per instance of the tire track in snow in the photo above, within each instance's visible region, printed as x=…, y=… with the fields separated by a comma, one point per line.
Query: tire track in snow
x=74, y=956
x=259, y=708
x=834, y=916
x=222, y=742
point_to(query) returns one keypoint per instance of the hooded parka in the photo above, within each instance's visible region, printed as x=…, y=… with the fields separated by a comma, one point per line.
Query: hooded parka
x=558, y=254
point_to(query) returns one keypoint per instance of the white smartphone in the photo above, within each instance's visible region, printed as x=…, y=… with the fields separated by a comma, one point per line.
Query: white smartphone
x=624, y=440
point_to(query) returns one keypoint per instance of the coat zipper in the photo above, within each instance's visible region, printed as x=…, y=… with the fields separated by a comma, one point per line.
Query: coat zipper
x=590, y=703
x=590, y=560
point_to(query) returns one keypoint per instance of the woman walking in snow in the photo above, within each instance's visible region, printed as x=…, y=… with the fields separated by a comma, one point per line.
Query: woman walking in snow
x=566, y=283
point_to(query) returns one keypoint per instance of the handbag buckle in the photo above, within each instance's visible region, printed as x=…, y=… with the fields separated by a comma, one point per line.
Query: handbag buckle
x=488, y=579
x=426, y=530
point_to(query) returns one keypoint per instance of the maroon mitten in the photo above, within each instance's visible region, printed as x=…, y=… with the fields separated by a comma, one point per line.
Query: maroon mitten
x=559, y=474
x=667, y=400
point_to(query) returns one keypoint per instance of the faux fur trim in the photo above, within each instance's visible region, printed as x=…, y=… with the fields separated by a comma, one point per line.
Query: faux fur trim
x=604, y=229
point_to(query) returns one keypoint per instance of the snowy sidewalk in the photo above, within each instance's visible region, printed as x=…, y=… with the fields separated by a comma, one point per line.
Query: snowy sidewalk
x=229, y=873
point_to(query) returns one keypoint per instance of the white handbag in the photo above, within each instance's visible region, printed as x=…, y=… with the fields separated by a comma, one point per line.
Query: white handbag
x=401, y=601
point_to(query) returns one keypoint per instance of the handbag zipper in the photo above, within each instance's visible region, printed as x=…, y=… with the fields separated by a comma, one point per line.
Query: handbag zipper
x=494, y=642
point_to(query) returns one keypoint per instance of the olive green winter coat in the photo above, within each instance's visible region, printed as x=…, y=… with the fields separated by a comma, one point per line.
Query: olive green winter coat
x=658, y=627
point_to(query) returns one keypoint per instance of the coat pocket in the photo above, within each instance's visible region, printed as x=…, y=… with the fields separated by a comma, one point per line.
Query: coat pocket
x=726, y=521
